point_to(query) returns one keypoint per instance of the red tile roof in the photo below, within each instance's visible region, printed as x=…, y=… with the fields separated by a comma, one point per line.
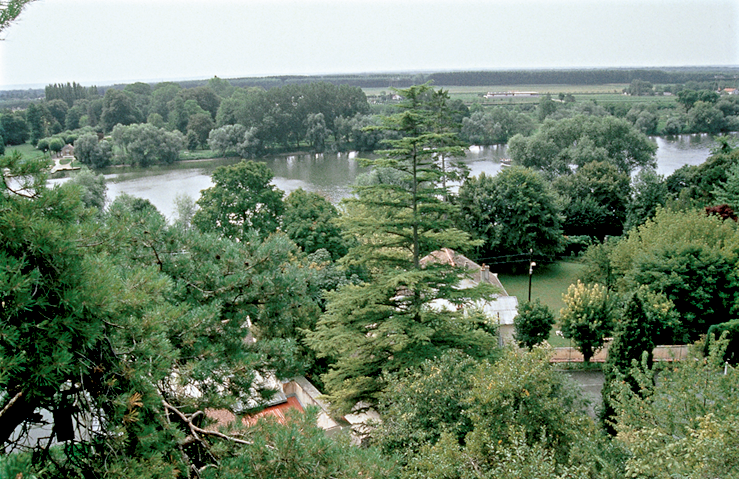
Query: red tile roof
x=224, y=418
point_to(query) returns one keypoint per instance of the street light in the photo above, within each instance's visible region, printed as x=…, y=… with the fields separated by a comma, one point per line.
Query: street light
x=531, y=270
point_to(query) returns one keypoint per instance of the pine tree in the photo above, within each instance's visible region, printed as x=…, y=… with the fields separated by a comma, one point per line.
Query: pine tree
x=388, y=323
x=727, y=192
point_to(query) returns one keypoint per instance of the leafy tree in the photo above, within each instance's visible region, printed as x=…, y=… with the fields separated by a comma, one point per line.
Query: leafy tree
x=191, y=140
x=532, y=324
x=682, y=425
x=185, y=208
x=687, y=256
x=422, y=403
x=513, y=212
x=200, y=124
x=240, y=202
x=310, y=221
x=204, y=97
x=697, y=183
x=143, y=144
x=43, y=145
x=495, y=126
x=93, y=188
x=250, y=146
x=316, y=131
x=643, y=323
x=14, y=127
x=598, y=195
x=226, y=138
x=388, y=323
x=648, y=192
x=118, y=108
x=673, y=126
x=56, y=144
x=557, y=146
x=73, y=118
x=546, y=107
x=92, y=152
x=587, y=317
x=705, y=118
x=273, y=454
x=728, y=192
x=526, y=422
x=38, y=120
x=113, y=323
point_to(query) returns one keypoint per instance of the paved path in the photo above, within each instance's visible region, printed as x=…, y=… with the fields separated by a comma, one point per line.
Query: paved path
x=661, y=353
x=58, y=164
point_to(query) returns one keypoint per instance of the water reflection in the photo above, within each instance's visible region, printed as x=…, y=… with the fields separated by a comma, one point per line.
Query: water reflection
x=331, y=174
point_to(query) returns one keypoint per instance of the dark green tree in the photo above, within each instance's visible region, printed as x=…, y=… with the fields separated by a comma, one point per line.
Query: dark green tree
x=648, y=192
x=642, y=325
x=200, y=124
x=389, y=322
x=240, y=202
x=14, y=127
x=137, y=328
x=310, y=221
x=423, y=402
x=533, y=324
x=596, y=196
x=513, y=213
x=118, y=108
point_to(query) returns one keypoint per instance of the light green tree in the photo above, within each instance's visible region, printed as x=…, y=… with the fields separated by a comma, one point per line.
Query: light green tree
x=683, y=425
x=586, y=317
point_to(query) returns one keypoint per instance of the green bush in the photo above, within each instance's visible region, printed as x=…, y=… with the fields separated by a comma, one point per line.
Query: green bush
x=732, y=335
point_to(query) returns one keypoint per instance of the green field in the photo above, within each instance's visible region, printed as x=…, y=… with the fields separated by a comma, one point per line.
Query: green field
x=26, y=150
x=608, y=93
x=548, y=284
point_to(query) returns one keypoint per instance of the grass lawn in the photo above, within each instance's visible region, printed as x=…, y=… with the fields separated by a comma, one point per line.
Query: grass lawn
x=547, y=284
x=26, y=150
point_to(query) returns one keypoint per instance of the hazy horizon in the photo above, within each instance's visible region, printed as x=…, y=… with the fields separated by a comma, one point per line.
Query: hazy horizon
x=106, y=42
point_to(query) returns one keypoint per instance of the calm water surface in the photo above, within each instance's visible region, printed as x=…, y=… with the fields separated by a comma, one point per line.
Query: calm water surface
x=332, y=174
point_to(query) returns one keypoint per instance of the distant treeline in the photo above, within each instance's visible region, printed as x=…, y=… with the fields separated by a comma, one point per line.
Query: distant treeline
x=485, y=78
x=577, y=77
x=362, y=81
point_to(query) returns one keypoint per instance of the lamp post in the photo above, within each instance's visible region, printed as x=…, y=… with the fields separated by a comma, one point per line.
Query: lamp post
x=531, y=270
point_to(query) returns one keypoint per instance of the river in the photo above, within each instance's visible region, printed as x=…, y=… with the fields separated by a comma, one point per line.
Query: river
x=332, y=173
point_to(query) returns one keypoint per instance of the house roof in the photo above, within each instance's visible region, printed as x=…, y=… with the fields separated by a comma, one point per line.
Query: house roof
x=224, y=417
x=476, y=272
x=501, y=308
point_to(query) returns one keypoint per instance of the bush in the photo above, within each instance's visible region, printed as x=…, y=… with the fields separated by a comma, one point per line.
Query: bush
x=533, y=324
x=576, y=244
x=732, y=335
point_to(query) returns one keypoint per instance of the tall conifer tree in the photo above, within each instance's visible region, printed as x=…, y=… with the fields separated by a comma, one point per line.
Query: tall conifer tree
x=394, y=321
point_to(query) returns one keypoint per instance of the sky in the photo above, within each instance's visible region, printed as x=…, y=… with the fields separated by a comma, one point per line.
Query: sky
x=103, y=42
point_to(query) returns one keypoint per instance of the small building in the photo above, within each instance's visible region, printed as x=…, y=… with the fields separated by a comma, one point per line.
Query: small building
x=67, y=151
x=500, y=309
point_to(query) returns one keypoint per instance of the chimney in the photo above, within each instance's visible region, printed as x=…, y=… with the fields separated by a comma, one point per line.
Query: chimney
x=484, y=274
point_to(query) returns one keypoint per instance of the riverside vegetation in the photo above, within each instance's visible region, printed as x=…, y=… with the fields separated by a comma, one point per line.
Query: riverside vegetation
x=112, y=317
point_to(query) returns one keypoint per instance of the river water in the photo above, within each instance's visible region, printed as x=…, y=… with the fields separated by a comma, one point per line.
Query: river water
x=331, y=174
